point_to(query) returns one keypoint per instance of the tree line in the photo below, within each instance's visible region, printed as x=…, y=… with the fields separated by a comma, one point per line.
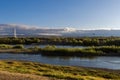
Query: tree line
x=83, y=41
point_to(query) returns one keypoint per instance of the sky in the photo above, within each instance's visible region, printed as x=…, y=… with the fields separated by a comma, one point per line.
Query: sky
x=79, y=14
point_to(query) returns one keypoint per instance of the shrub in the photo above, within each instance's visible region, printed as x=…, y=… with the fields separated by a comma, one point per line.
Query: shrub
x=19, y=47
x=4, y=46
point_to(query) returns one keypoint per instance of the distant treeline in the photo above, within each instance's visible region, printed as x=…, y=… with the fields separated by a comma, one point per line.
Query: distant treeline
x=83, y=41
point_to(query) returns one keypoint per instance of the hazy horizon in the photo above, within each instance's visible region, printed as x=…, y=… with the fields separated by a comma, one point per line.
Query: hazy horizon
x=62, y=27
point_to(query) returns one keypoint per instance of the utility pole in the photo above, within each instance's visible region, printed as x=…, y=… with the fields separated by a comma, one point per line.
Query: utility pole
x=15, y=36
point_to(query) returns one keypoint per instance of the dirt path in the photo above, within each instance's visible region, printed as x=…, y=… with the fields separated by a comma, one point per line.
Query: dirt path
x=4, y=75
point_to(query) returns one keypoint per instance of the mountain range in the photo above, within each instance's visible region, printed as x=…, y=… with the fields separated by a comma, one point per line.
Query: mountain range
x=24, y=30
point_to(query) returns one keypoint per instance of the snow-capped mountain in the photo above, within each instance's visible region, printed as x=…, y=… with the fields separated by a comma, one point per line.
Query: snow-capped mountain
x=24, y=30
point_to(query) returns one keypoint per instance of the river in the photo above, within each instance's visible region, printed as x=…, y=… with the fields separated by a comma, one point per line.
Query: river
x=98, y=62
x=58, y=46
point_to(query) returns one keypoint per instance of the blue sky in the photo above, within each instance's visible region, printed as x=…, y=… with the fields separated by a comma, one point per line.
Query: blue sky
x=80, y=14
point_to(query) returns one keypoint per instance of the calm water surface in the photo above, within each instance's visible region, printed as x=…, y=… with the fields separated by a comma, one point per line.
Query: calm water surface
x=58, y=46
x=99, y=62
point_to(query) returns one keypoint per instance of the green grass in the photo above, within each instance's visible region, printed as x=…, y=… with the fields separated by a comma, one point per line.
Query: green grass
x=59, y=72
x=18, y=47
x=4, y=46
x=54, y=51
x=90, y=51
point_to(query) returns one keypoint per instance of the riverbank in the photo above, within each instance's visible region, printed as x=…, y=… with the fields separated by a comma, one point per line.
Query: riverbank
x=59, y=72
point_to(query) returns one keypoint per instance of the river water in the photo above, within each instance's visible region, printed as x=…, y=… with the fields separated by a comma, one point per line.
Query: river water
x=58, y=46
x=99, y=62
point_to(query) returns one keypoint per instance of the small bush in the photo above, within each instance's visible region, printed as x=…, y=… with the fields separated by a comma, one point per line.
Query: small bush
x=18, y=47
x=5, y=46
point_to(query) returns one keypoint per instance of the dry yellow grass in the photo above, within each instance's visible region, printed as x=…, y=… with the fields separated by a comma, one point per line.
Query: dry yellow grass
x=20, y=70
x=4, y=75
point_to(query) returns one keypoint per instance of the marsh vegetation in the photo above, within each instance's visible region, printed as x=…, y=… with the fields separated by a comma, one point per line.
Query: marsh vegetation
x=96, y=46
x=52, y=50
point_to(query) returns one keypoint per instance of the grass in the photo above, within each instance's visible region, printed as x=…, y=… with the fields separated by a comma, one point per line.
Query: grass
x=59, y=72
x=5, y=75
x=4, y=46
x=90, y=51
x=54, y=51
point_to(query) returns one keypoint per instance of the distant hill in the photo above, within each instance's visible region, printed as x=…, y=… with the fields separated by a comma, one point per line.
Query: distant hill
x=24, y=30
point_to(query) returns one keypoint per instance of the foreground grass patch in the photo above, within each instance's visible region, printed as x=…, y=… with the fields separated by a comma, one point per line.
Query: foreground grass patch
x=59, y=72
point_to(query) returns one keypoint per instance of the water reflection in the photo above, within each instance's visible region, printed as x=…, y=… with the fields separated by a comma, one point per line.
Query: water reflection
x=69, y=57
x=100, y=62
x=58, y=46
